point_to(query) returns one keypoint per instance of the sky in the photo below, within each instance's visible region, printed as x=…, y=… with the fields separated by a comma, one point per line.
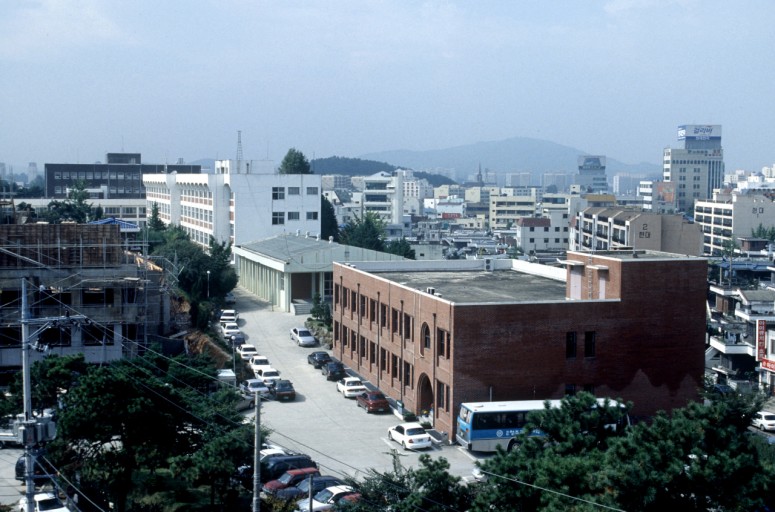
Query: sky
x=179, y=78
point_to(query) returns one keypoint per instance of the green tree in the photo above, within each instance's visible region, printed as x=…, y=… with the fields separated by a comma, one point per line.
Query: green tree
x=74, y=208
x=155, y=223
x=763, y=232
x=295, y=162
x=401, y=248
x=329, y=226
x=367, y=231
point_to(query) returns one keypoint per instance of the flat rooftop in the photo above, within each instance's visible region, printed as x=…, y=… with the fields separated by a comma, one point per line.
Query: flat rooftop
x=479, y=286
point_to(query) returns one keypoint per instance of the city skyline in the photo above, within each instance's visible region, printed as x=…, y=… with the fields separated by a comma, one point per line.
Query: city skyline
x=178, y=80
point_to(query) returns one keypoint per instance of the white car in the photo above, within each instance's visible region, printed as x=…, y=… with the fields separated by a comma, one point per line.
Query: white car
x=325, y=499
x=228, y=315
x=350, y=387
x=268, y=375
x=303, y=337
x=247, y=350
x=411, y=436
x=257, y=362
x=230, y=329
x=253, y=386
x=764, y=420
x=44, y=501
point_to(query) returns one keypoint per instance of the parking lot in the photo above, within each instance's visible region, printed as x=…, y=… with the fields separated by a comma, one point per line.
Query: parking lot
x=333, y=430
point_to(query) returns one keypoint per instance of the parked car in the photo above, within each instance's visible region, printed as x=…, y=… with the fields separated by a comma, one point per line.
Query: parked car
x=283, y=390
x=373, y=401
x=301, y=490
x=253, y=386
x=318, y=358
x=290, y=478
x=230, y=329
x=39, y=475
x=276, y=466
x=245, y=401
x=258, y=361
x=303, y=337
x=764, y=420
x=325, y=499
x=411, y=436
x=228, y=315
x=237, y=339
x=246, y=351
x=268, y=376
x=229, y=298
x=333, y=370
x=44, y=501
x=350, y=387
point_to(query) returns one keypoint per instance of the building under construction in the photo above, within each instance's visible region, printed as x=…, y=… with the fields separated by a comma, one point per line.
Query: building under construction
x=79, y=270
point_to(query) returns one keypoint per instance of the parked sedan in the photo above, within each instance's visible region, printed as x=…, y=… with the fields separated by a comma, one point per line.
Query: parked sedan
x=43, y=501
x=318, y=358
x=764, y=420
x=411, y=436
x=246, y=351
x=303, y=337
x=325, y=499
x=268, y=375
x=283, y=390
x=302, y=488
x=333, y=370
x=253, y=386
x=350, y=387
x=230, y=329
x=257, y=362
x=373, y=401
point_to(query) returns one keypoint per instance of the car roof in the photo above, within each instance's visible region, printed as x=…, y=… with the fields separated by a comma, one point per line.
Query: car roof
x=340, y=488
x=410, y=425
x=349, y=379
x=302, y=471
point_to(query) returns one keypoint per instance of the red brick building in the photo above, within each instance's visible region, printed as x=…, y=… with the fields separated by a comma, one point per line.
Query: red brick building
x=435, y=334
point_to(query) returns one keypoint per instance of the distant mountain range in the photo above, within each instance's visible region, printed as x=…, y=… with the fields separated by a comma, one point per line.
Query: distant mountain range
x=518, y=154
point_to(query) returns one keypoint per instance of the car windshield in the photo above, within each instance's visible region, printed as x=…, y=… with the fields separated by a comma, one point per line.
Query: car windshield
x=284, y=386
x=377, y=396
x=304, y=332
x=286, y=478
x=256, y=385
x=414, y=431
x=769, y=417
x=354, y=383
x=270, y=374
x=48, y=504
x=323, y=495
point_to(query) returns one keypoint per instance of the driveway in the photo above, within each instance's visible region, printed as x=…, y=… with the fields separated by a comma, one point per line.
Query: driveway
x=333, y=430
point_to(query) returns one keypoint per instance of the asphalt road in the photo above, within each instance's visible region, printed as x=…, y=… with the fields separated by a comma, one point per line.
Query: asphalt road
x=11, y=490
x=341, y=437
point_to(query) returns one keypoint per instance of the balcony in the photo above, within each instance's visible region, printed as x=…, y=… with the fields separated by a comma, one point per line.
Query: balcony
x=742, y=347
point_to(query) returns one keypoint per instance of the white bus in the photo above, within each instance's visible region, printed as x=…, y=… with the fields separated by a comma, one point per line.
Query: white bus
x=483, y=426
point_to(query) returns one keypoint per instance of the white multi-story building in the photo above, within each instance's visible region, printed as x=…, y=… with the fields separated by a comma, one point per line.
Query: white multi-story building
x=731, y=215
x=505, y=210
x=697, y=168
x=236, y=207
x=609, y=228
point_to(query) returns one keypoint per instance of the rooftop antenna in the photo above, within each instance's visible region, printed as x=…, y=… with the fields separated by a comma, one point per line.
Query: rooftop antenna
x=239, y=151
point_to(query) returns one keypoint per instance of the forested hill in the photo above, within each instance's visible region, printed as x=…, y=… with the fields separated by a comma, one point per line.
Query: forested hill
x=358, y=167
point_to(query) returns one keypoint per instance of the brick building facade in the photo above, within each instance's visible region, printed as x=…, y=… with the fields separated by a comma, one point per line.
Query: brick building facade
x=627, y=325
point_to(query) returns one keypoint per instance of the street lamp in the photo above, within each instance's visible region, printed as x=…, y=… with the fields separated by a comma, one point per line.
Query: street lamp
x=208, y=284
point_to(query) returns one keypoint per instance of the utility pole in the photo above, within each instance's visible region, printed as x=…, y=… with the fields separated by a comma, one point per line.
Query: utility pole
x=34, y=431
x=257, y=457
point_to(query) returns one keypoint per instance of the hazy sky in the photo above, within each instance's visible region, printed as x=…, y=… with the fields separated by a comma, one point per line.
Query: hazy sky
x=169, y=79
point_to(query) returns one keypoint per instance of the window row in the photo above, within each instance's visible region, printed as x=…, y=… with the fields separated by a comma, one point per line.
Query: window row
x=96, y=175
x=279, y=192
x=280, y=217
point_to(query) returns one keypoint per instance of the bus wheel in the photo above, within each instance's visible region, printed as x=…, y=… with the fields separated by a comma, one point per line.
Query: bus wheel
x=513, y=445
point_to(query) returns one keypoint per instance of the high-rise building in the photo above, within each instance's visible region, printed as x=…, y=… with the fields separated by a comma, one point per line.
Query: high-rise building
x=591, y=175
x=696, y=168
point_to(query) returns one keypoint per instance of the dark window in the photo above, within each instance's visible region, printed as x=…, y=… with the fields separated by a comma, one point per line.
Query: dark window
x=426, y=336
x=570, y=345
x=394, y=321
x=589, y=344
x=570, y=389
x=278, y=218
x=407, y=326
x=278, y=193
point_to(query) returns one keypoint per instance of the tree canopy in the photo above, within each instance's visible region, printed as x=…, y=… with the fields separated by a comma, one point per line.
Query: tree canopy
x=367, y=231
x=75, y=208
x=295, y=162
x=328, y=223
